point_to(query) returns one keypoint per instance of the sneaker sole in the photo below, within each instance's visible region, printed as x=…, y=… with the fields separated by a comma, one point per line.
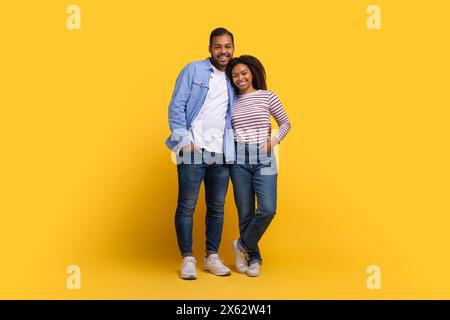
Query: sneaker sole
x=241, y=271
x=188, y=277
x=218, y=274
x=252, y=275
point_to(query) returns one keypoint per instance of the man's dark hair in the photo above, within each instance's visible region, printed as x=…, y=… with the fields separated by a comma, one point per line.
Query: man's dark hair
x=218, y=32
x=256, y=68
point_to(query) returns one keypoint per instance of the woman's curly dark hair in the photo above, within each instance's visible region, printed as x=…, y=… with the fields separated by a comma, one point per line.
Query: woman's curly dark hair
x=256, y=68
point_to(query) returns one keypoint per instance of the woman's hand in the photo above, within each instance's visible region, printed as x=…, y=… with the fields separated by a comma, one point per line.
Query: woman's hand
x=268, y=146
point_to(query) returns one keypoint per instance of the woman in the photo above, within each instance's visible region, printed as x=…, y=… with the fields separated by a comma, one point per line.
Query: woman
x=254, y=173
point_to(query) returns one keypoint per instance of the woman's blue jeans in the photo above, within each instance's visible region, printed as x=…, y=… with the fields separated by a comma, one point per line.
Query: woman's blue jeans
x=254, y=175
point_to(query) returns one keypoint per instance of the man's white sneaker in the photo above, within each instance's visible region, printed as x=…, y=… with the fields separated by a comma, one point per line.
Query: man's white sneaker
x=215, y=265
x=253, y=269
x=188, y=270
x=240, y=258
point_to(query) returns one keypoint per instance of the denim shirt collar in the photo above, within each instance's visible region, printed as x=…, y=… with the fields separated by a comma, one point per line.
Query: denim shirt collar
x=208, y=65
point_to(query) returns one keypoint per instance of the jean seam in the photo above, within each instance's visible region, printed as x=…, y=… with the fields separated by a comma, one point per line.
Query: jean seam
x=241, y=246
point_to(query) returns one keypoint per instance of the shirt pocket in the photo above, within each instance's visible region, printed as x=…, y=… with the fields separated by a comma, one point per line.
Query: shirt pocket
x=198, y=92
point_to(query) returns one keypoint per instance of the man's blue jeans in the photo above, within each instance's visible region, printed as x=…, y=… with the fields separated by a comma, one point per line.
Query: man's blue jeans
x=254, y=174
x=193, y=168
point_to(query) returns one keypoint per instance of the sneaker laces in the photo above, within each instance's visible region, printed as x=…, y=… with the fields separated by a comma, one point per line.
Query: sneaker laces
x=254, y=265
x=189, y=260
x=215, y=258
x=245, y=255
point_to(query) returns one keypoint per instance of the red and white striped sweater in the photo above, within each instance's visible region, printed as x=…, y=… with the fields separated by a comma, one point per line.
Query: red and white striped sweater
x=251, y=113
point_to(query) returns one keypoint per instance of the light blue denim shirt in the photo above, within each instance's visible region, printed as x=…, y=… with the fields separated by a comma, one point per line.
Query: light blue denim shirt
x=190, y=92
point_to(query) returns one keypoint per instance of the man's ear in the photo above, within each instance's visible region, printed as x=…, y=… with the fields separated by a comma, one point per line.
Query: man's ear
x=209, y=49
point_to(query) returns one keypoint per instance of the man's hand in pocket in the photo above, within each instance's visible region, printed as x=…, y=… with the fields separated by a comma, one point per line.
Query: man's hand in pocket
x=191, y=147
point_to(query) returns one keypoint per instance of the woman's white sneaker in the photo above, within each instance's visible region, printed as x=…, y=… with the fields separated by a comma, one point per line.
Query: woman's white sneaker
x=253, y=269
x=188, y=270
x=240, y=258
x=215, y=265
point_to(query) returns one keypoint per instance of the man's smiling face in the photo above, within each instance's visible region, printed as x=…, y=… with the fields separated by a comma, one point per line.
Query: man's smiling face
x=221, y=50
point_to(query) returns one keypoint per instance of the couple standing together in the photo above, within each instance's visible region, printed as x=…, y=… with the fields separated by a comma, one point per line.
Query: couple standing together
x=219, y=116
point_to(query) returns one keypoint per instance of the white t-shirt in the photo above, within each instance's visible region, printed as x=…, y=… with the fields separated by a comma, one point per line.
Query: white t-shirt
x=209, y=125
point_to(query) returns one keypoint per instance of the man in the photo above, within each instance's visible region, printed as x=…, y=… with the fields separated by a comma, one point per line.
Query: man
x=202, y=138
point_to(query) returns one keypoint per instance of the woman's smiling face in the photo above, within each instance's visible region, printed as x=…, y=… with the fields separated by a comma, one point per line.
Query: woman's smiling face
x=242, y=78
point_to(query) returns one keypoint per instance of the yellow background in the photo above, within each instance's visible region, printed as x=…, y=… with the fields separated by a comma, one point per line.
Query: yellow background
x=87, y=180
